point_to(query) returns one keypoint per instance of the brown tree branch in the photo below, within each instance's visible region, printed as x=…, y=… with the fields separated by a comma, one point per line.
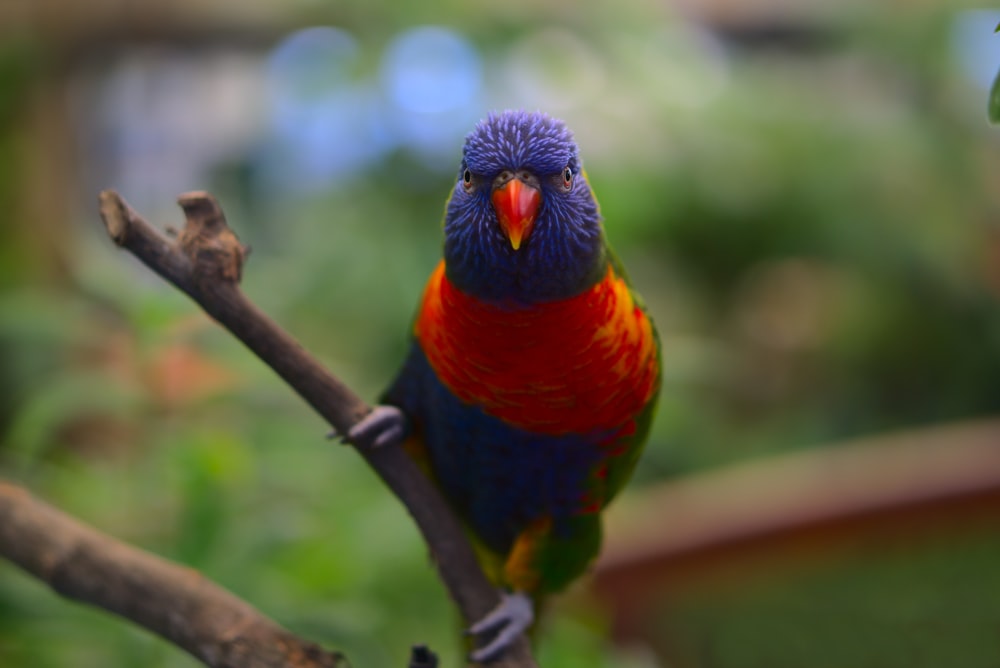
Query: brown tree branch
x=205, y=261
x=176, y=602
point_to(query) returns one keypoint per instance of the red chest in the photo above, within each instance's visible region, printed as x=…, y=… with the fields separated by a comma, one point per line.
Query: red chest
x=572, y=366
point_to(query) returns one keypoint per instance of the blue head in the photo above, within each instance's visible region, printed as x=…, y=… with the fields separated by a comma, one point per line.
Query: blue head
x=522, y=225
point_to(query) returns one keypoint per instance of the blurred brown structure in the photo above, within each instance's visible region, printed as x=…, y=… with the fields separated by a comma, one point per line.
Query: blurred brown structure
x=792, y=513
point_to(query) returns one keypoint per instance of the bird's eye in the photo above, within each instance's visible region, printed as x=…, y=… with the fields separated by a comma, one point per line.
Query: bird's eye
x=567, y=178
x=467, y=179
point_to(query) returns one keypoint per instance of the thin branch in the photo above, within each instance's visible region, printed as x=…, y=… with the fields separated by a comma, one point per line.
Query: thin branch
x=176, y=602
x=206, y=262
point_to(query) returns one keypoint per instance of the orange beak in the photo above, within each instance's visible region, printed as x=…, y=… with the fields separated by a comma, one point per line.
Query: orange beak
x=516, y=204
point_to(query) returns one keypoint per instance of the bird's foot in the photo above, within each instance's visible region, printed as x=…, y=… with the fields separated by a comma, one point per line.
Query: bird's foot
x=508, y=620
x=385, y=425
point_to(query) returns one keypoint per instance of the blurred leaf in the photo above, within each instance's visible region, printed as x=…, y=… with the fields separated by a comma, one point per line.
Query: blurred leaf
x=994, y=103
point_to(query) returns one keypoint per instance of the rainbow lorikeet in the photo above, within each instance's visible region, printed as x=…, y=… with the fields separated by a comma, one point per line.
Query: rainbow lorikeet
x=532, y=377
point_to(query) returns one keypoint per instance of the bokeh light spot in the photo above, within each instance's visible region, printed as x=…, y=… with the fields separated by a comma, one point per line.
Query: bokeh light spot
x=430, y=69
x=311, y=61
x=326, y=123
x=976, y=44
x=553, y=69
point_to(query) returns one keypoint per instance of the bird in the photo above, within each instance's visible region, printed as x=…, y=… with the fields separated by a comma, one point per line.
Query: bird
x=533, y=367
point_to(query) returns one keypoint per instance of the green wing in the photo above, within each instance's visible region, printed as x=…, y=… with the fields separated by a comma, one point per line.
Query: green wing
x=619, y=469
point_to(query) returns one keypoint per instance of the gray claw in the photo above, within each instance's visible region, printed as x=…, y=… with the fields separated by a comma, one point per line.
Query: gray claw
x=511, y=618
x=385, y=425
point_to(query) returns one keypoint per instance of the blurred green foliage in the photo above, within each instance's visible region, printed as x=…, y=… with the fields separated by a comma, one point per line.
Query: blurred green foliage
x=817, y=241
x=993, y=105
